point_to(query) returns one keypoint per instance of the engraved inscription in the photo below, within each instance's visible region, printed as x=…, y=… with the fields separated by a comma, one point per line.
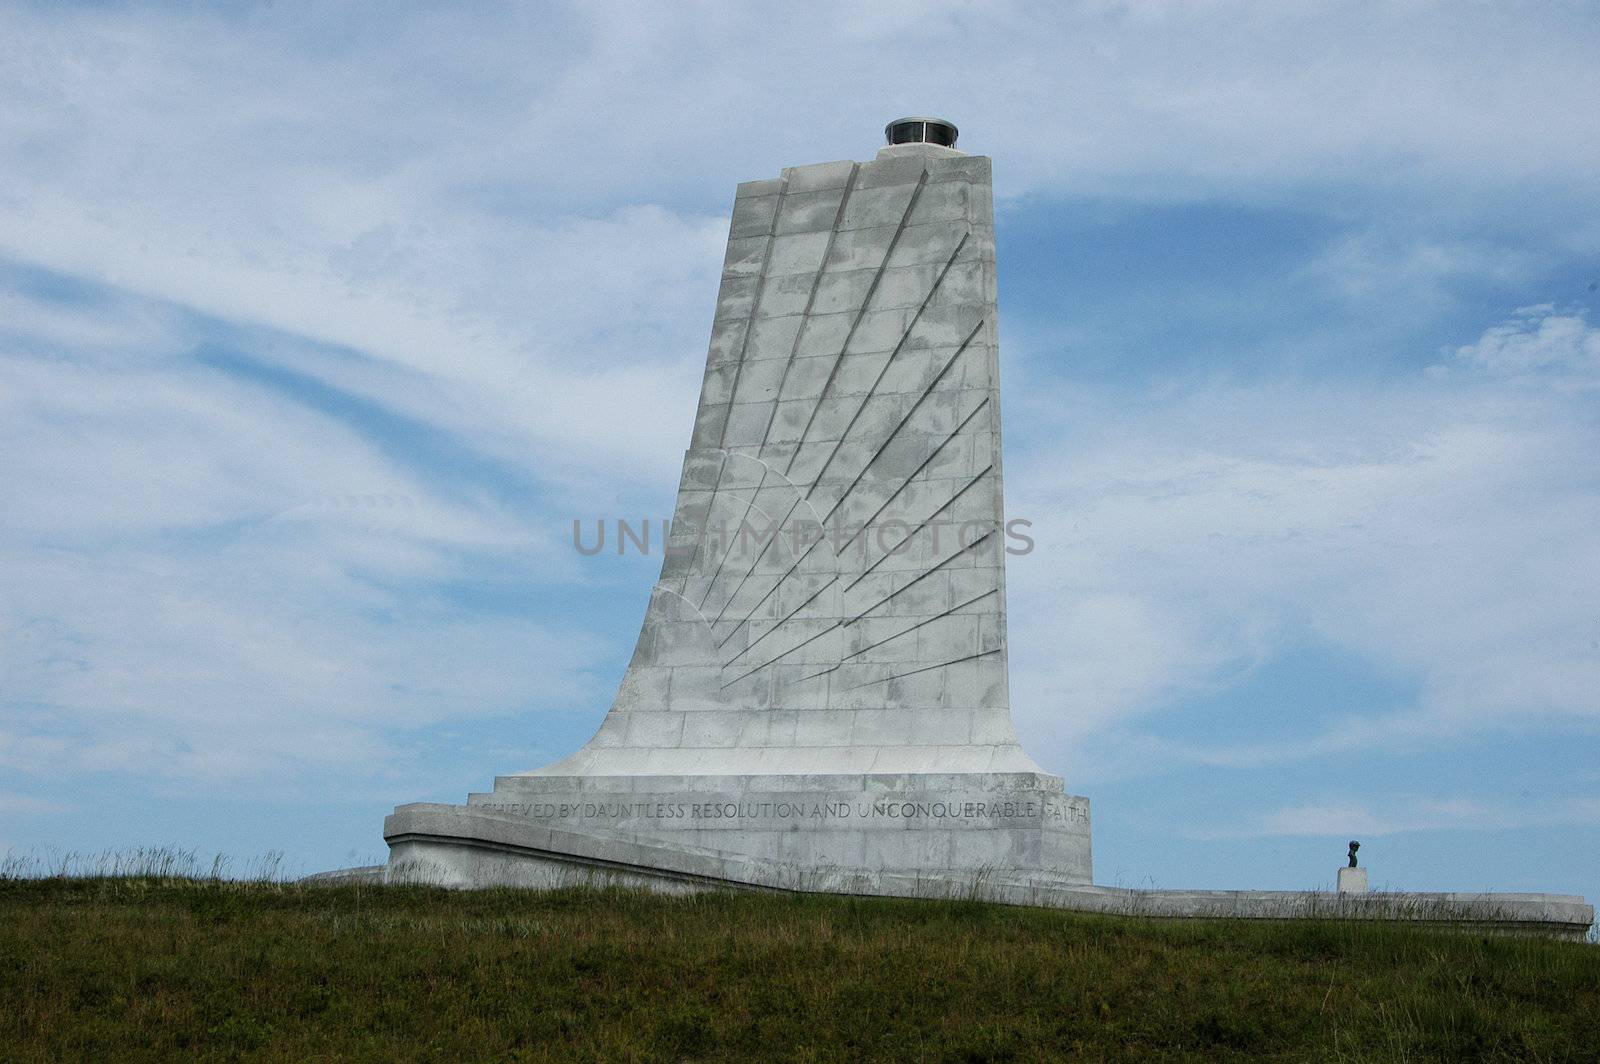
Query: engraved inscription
x=886, y=809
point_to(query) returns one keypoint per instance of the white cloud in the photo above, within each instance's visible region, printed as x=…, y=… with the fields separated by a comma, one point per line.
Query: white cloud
x=260, y=660
x=126, y=329
x=206, y=580
x=1538, y=339
x=1404, y=272
x=1440, y=530
x=1408, y=813
x=484, y=236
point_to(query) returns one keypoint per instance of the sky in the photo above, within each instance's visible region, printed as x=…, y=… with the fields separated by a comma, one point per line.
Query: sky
x=321, y=324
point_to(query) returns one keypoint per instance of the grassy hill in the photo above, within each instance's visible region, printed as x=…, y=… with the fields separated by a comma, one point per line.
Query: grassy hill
x=139, y=968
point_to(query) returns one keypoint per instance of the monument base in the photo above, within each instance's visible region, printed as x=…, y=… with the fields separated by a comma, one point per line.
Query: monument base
x=1352, y=881
x=821, y=827
x=479, y=846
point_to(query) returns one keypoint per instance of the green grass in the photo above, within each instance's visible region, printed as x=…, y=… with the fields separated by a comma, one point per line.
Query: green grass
x=141, y=968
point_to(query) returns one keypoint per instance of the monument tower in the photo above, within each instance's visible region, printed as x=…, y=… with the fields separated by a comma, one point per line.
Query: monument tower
x=819, y=686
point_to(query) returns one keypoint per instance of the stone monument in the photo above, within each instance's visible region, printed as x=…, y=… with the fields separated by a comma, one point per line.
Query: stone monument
x=820, y=681
x=818, y=698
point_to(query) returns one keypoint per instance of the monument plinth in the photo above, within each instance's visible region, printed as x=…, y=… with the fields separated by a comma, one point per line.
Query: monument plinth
x=1352, y=880
x=820, y=682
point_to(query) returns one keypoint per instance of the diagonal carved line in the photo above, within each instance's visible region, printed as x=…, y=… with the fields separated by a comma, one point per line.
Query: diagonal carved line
x=951, y=501
x=882, y=372
x=781, y=476
x=776, y=658
x=750, y=504
x=895, y=432
x=866, y=301
x=799, y=496
x=704, y=536
x=832, y=373
x=759, y=554
x=786, y=653
x=813, y=676
x=755, y=304
x=789, y=572
x=925, y=462
x=738, y=365
x=805, y=318
x=822, y=522
x=918, y=578
x=744, y=343
x=919, y=624
x=779, y=583
x=925, y=668
x=834, y=668
x=783, y=621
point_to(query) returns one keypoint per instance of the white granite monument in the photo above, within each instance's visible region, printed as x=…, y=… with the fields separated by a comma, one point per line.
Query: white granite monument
x=820, y=681
x=818, y=699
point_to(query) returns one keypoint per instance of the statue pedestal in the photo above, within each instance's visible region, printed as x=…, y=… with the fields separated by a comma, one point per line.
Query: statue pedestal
x=1352, y=881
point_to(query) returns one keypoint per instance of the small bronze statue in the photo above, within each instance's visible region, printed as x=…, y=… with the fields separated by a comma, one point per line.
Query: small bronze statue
x=1354, y=846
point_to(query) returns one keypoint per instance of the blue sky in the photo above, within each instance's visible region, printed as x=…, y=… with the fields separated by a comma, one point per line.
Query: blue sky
x=319, y=325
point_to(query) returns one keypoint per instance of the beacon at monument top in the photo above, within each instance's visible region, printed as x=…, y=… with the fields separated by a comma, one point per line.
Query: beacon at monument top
x=921, y=130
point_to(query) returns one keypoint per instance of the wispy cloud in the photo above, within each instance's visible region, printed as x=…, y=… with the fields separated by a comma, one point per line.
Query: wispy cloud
x=1403, y=272
x=1441, y=528
x=21, y=804
x=208, y=579
x=1407, y=814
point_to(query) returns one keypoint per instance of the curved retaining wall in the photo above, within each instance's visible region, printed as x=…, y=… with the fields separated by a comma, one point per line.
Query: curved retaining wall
x=459, y=846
